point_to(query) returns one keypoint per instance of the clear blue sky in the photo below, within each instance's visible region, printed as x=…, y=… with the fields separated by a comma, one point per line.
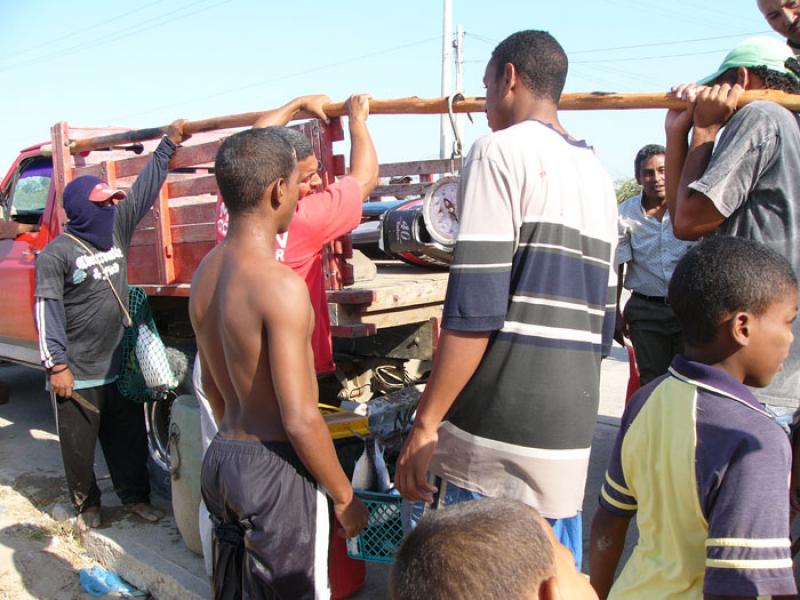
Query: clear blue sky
x=147, y=62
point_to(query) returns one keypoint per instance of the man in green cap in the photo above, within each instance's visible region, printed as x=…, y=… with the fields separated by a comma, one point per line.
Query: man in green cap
x=743, y=180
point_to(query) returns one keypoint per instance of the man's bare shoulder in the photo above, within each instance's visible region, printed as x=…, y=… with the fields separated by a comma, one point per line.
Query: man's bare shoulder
x=209, y=261
x=280, y=289
x=203, y=282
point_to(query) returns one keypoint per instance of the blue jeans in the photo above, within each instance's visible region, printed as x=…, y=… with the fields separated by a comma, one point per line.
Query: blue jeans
x=568, y=531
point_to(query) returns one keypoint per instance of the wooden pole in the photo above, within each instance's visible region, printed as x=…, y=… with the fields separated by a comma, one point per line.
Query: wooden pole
x=430, y=106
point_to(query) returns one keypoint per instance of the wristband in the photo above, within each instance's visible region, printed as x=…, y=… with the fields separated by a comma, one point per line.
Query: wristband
x=60, y=371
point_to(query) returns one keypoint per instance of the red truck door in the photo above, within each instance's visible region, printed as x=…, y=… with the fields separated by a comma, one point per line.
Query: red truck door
x=23, y=200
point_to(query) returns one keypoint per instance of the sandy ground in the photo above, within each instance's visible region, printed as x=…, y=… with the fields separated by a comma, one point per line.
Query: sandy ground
x=39, y=557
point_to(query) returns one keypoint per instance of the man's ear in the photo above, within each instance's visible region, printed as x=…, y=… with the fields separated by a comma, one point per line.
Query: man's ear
x=548, y=589
x=740, y=327
x=278, y=193
x=510, y=77
x=743, y=77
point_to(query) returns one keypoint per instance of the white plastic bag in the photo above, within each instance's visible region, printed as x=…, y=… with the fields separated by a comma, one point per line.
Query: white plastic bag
x=152, y=357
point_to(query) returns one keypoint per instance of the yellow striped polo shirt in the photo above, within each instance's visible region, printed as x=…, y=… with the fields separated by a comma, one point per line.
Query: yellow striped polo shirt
x=706, y=471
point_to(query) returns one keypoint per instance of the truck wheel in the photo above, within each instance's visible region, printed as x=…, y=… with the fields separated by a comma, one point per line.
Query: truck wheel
x=156, y=415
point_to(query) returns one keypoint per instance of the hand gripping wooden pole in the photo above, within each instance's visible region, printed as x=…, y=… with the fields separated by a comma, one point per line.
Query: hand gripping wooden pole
x=429, y=106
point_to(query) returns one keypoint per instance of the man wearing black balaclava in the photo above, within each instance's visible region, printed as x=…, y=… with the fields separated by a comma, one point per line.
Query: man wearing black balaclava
x=81, y=323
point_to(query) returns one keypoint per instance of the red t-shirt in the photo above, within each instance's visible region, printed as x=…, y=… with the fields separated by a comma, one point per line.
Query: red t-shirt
x=320, y=218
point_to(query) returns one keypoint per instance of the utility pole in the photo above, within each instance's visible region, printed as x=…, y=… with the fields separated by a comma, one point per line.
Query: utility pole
x=445, y=138
x=459, y=46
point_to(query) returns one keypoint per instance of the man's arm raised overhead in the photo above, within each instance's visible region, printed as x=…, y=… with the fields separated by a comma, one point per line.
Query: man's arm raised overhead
x=693, y=213
x=363, y=158
x=313, y=104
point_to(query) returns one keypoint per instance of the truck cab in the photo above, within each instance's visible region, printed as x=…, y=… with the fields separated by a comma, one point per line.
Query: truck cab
x=25, y=197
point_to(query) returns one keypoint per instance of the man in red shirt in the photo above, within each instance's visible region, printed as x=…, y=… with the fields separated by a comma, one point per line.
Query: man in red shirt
x=321, y=217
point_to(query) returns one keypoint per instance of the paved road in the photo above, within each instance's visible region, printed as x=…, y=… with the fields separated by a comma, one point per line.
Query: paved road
x=30, y=459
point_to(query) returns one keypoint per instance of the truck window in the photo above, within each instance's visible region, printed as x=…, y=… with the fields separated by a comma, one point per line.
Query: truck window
x=29, y=196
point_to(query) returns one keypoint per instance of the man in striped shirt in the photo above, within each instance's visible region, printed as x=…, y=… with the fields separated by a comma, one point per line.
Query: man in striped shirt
x=511, y=403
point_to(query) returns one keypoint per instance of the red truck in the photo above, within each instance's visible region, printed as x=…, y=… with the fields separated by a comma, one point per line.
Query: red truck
x=385, y=325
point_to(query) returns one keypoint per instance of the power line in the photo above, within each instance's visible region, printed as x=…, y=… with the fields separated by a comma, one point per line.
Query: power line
x=284, y=77
x=655, y=44
x=639, y=6
x=118, y=35
x=630, y=59
x=636, y=46
x=51, y=41
x=627, y=74
x=718, y=14
x=613, y=60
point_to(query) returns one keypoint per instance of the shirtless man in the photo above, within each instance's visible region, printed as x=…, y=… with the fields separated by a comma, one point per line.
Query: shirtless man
x=264, y=473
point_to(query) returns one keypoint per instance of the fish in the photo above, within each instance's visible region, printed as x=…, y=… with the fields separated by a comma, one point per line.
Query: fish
x=364, y=477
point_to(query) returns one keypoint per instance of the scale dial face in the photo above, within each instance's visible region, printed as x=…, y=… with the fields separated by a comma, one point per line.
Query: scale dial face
x=440, y=211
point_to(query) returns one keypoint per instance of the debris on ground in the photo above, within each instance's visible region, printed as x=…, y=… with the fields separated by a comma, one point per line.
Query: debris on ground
x=39, y=557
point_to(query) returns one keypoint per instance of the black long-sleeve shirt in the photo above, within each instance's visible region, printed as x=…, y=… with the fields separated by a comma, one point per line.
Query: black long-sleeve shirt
x=79, y=320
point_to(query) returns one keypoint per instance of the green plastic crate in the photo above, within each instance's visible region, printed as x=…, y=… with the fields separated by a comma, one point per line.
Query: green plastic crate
x=379, y=541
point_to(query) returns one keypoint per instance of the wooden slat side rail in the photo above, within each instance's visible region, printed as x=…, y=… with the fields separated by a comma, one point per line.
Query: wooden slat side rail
x=164, y=251
x=343, y=316
x=199, y=213
x=351, y=296
x=186, y=234
x=388, y=294
x=108, y=172
x=400, y=190
x=197, y=185
x=186, y=156
x=410, y=294
x=95, y=170
x=439, y=165
x=193, y=186
x=62, y=175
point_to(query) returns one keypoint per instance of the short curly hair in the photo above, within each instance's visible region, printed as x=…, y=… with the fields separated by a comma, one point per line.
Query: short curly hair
x=492, y=549
x=773, y=80
x=539, y=60
x=724, y=275
x=248, y=162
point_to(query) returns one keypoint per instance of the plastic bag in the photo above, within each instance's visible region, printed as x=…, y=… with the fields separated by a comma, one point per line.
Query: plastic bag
x=152, y=357
x=99, y=582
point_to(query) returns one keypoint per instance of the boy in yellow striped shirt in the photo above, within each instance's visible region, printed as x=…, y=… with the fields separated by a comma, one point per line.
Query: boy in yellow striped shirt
x=697, y=459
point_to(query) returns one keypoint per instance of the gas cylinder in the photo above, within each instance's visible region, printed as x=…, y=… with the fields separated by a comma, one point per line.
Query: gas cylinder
x=185, y=463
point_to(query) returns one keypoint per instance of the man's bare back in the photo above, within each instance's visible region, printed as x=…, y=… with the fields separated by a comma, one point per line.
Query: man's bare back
x=252, y=314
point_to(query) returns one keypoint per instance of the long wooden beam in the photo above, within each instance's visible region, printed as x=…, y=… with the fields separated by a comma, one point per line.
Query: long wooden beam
x=415, y=105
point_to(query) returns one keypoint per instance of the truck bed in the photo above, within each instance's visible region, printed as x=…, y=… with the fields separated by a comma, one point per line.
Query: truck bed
x=398, y=295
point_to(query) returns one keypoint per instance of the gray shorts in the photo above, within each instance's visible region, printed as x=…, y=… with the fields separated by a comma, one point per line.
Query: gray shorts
x=271, y=522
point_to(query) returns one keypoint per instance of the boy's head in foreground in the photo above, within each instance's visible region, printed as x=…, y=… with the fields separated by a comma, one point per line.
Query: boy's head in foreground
x=491, y=549
x=736, y=300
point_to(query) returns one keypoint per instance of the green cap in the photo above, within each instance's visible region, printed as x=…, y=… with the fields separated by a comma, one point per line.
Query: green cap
x=755, y=52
